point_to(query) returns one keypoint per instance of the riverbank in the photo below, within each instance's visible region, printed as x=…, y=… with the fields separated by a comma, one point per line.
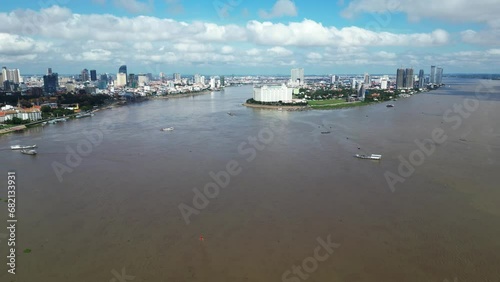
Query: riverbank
x=277, y=108
x=336, y=104
x=183, y=95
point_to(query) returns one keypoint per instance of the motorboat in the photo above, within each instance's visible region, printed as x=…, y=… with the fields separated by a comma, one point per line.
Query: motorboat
x=29, y=152
x=20, y=147
x=390, y=106
x=325, y=132
x=369, y=157
x=167, y=129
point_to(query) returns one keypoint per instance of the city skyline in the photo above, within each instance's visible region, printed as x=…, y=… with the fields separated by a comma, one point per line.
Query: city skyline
x=245, y=38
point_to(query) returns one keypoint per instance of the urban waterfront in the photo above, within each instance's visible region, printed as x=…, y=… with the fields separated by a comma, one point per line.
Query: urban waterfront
x=116, y=207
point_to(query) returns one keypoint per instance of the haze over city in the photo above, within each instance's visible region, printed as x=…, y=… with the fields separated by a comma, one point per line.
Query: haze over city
x=249, y=37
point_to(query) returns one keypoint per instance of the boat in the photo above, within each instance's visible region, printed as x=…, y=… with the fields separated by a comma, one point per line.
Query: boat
x=229, y=113
x=20, y=147
x=369, y=157
x=390, y=106
x=29, y=152
x=325, y=132
x=82, y=115
x=167, y=129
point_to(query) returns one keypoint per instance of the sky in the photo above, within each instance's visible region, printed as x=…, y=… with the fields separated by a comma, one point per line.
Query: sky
x=243, y=37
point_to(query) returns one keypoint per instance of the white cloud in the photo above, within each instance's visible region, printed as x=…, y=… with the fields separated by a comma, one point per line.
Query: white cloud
x=227, y=49
x=461, y=11
x=280, y=9
x=279, y=51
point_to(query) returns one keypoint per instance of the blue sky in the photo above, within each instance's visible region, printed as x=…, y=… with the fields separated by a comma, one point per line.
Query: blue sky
x=249, y=37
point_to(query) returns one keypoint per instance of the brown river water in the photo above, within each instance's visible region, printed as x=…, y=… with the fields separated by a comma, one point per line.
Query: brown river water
x=102, y=199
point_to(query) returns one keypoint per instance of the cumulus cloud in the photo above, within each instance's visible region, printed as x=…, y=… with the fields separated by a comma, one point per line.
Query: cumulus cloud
x=480, y=11
x=63, y=36
x=279, y=51
x=281, y=8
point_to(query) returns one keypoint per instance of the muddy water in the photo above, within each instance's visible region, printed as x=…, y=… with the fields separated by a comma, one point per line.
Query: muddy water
x=116, y=210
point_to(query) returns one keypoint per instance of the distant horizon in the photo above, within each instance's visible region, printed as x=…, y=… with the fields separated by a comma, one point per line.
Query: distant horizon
x=269, y=37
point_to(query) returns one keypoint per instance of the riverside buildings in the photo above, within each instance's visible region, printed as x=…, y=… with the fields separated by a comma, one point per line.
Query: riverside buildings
x=272, y=93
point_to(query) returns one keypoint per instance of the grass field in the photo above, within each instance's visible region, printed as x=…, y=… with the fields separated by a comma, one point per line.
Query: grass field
x=334, y=104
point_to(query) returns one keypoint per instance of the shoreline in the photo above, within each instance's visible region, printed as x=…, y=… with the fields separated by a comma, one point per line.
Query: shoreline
x=278, y=108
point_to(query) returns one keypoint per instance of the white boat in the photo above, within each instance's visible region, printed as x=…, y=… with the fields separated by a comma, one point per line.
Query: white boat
x=29, y=152
x=82, y=115
x=167, y=129
x=20, y=147
x=369, y=157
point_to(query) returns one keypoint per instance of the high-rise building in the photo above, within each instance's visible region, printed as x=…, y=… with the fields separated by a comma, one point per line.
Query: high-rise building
x=93, y=75
x=50, y=82
x=121, y=79
x=177, y=77
x=367, y=80
x=421, y=79
x=384, y=82
x=131, y=80
x=439, y=76
x=197, y=79
x=409, y=79
x=123, y=69
x=85, y=75
x=400, y=79
x=142, y=79
x=433, y=75
x=222, y=81
x=4, y=74
x=297, y=76
x=335, y=78
x=103, y=82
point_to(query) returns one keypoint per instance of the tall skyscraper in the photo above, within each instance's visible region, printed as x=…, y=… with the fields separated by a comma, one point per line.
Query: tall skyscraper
x=93, y=75
x=222, y=81
x=177, y=77
x=433, y=75
x=400, y=79
x=439, y=76
x=50, y=82
x=123, y=69
x=367, y=80
x=297, y=76
x=409, y=79
x=121, y=79
x=421, y=79
x=197, y=79
x=85, y=75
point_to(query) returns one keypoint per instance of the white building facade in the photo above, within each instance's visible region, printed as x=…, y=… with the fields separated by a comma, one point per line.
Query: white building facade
x=272, y=93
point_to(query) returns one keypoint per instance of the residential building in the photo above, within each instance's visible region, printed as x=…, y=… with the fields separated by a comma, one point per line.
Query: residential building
x=297, y=76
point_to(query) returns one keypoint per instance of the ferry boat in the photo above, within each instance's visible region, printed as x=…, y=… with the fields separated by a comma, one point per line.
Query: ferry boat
x=369, y=157
x=29, y=152
x=20, y=147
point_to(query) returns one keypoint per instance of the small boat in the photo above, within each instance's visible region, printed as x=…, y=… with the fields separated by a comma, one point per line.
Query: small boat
x=82, y=115
x=29, y=152
x=20, y=147
x=229, y=113
x=369, y=157
x=390, y=106
x=167, y=129
x=325, y=132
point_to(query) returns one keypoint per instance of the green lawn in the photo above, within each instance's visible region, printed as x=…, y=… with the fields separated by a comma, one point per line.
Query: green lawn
x=335, y=104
